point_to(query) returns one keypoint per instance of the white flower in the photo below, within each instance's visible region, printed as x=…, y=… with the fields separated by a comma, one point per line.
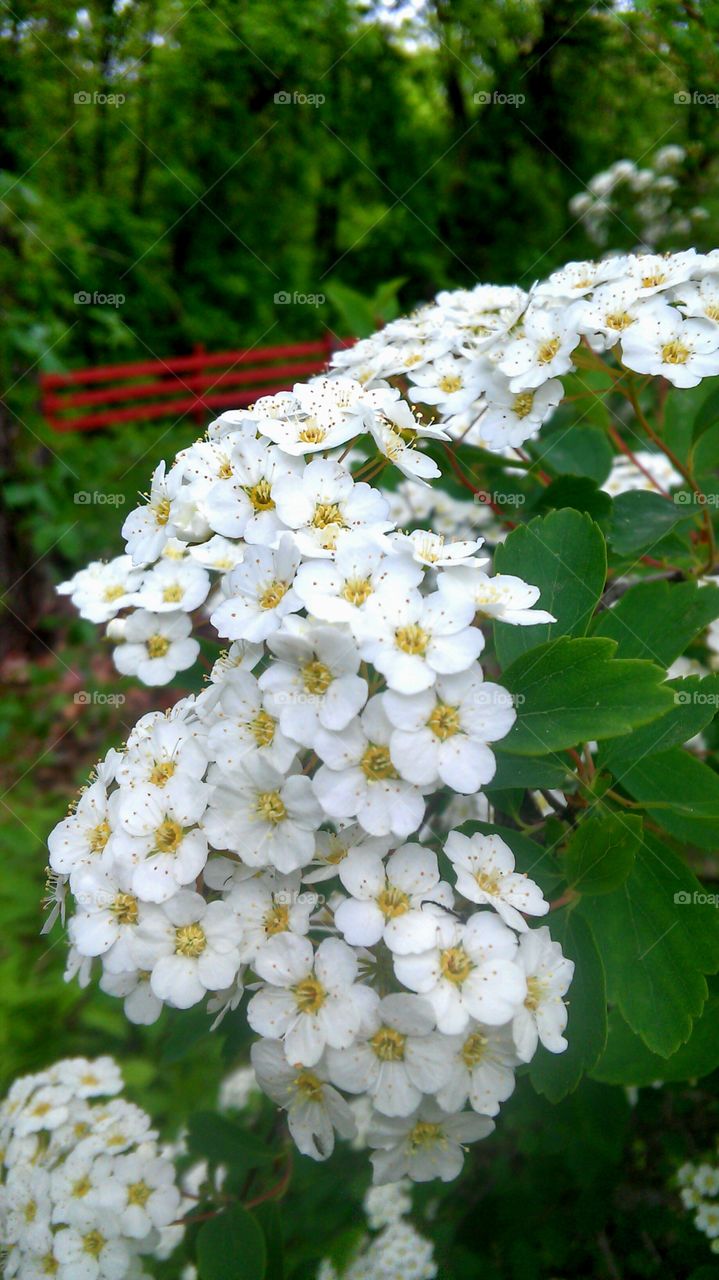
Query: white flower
x=83, y=839
x=427, y=1145
x=107, y=913
x=502, y=596
x=314, y=1109
x=147, y=528
x=396, y=430
x=442, y=733
x=102, y=589
x=482, y=1069
x=358, y=779
x=484, y=865
x=190, y=948
x=156, y=646
x=398, y=1058
x=268, y=904
x=325, y=501
x=243, y=505
x=165, y=753
x=543, y=351
x=662, y=342
x=543, y=1015
x=260, y=593
x=449, y=383
x=138, y=1189
x=268, y=818
x=431, y=549
x=97, y=1254
x=332, y=847
x=311, y=999
x=512, y=416
x=315, y=684
x=471, y=972
x=339, y=591
x=412, y=638
x=141, y=1006
x=160, y=841
x=388, y=899
x=171, y=586
x=243, y=726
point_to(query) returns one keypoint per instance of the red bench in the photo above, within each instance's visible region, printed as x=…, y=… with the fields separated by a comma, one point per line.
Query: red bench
x=177, y=386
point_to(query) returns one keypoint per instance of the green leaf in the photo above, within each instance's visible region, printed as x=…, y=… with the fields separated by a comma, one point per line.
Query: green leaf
x=578, y=493
x=575, y=690
x=564, y=555
x=527, y=772
x=656, y=942
x=657, y=620
x=641, y=519
x=556, y=1075
x=679, y=791
x=269, y=1217
x=601, y=851
x=231, y=1247
x=707, y=414
x=696, y=701
x=581, y=450
x=627, y=1060
x=223, y=1141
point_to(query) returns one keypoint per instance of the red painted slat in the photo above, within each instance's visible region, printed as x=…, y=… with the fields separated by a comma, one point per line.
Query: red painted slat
x=168, y=387
x=169, y=409
x=179, y=364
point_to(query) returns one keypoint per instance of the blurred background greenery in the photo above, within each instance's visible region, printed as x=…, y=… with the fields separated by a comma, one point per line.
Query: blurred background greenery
x=147, y=148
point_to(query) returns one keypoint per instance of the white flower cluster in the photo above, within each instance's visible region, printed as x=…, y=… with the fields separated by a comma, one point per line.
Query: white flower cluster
x=645, y=470
x=397, y=1251
x=699, y=1191
x=645, y=195
x=349, y=710
x=488, y=362
x=85, y=1190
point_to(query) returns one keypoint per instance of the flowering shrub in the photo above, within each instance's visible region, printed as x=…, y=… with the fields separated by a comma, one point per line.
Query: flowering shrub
x=351, y=837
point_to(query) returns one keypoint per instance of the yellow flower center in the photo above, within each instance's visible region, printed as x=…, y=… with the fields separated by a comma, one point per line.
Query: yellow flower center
x=455, y=965
x=523, y=403
x=260, y=495
x=392, y=902
x=376, y=764
x=190, y=940
x=650, y=282
x=161, y=772
x=326, y=513
x=444, y=721
x=50, y=1265
x=356, y=591
x=473, y=1049
x=487, y=883
x=548, y=351
x=272, y=594
x=424, y=1134
x=388, y=1045
x=412, y=639
x=675, y=352
x=270, y=807
x=533, y=998
x=124, y=908
x=157, y=646
x=98, y=837
x=29, y=1212
x=81, y=1188
x=317, y=677
x=225, y=470
x=449, y=383
x=618, y=320
x=138, y=1193
x=309, y=995
x=173, y=594
x=262, y=728
x=93, y=1243
x=113, y=593
x=309, y=1086
x=276, y=920
x=168, y=836
x=162, y=511
x=312, y=434
x=711, y=312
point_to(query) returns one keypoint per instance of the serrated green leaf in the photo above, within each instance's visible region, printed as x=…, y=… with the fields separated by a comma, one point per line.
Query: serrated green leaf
x=231, y=1247
x=656, y=943
x=627, y=1060
x=575, y=690
x=696, y=699
x=600, y=854
x=564, y=555
x=556, y=1075
x=528, y=772
x=657, y=620
x=641, y=519
x=679, y=791
x=577, y=493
